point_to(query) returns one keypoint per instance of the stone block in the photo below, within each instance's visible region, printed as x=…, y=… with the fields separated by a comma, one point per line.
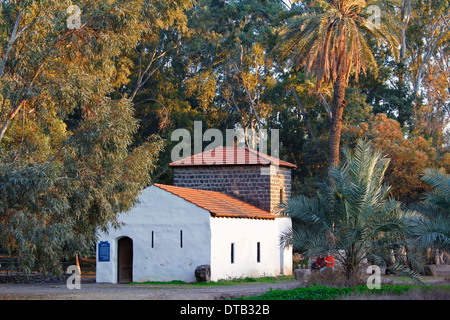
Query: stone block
x=302, y=274
x=203, y=273
x=429, y=270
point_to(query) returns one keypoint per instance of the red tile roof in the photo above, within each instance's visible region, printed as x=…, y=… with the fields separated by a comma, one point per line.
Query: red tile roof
x=218, y=204
x=230, y=156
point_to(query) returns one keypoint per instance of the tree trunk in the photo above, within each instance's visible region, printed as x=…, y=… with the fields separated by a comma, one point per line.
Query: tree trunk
x=336, y=121
x=351, y=274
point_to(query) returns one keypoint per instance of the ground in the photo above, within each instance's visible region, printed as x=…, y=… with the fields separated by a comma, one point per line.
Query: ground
x=100, y=291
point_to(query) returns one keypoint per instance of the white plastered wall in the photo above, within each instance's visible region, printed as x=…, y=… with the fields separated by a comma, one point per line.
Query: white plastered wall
x=165, y=214
x=245, y=234
x=206, y=240
x=284, y=224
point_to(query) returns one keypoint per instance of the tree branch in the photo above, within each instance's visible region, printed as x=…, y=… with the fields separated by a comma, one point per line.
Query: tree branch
x=303, y=112
x=10, y=42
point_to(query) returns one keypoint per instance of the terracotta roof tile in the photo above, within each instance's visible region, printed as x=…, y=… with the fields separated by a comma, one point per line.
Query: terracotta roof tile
x=230, y=156
x=217, y=203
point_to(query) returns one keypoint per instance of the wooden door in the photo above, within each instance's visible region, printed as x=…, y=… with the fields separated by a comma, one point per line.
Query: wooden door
x=125, y=260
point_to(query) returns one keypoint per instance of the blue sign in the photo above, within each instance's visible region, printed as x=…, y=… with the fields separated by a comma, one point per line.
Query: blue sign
x=103, y=251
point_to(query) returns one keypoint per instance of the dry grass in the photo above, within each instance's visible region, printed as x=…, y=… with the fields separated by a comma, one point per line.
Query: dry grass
x=334, y=279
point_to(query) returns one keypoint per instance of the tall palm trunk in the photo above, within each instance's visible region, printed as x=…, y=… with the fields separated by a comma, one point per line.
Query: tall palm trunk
x=336, y=120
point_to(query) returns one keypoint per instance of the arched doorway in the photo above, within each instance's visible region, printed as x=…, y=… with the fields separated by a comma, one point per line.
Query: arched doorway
x=125, y=260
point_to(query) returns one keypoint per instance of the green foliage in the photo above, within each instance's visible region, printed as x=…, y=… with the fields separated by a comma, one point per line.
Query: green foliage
x=69, y=165
x=439, y=196
x=310, y=293
x=332, y=293
x=433, y=227
x=221, y=282
x=352, y=215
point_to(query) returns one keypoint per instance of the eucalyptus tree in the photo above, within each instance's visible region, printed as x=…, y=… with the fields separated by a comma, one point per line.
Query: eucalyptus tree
x=68, y=164
x=229, y=60
x=353, y=217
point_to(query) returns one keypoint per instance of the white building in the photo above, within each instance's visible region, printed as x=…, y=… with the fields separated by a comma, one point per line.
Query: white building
x=173, y=230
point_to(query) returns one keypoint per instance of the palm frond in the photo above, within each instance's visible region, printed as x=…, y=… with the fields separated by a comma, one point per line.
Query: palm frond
x=353, y=214
x=332, y=38
x=404, y=270
x=432, y=228
x=440, y=181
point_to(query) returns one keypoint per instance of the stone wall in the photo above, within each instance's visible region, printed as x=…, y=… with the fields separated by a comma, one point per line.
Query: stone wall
x=254, y=184
x=280, y=187
x=242, y=182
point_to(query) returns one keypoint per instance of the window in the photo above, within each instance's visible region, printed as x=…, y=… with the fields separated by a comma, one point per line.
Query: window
x=153, y=239
x=258, y=252
x=181, y=238
x=281, y=195
x=232, y=253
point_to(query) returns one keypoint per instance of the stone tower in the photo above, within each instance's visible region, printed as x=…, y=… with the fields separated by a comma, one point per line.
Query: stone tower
x=243, y=173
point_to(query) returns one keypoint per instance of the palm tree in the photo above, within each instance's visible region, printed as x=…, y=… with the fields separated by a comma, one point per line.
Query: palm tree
x=352, y=214
x=433, y=227
x=332, y=41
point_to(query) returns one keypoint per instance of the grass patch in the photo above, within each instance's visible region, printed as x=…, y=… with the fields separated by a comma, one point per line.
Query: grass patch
x=246, y=280
x=318, y=292
x=158, y=282
x=224, y=282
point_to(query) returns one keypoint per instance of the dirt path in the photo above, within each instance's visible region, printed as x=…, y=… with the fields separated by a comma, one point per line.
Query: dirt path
x=99, y=291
